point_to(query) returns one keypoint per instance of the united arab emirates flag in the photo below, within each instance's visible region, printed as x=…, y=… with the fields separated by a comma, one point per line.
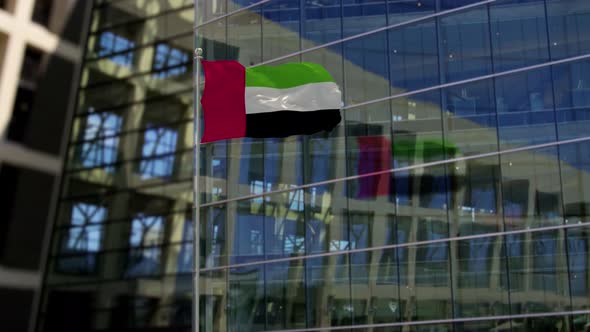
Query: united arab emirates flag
x=268, y=101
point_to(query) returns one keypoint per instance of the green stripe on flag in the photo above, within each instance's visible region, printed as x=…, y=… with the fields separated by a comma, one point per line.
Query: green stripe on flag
x=287, y=76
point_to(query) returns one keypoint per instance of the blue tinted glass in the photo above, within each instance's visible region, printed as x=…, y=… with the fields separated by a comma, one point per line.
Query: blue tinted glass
x=531, y=189
x=100, y=146
x=569, y=22
x=470, y=118
x=169, y=61
x=519, y=34
x=284, y=291
x=572, y=98
x=450, y=4
x=369, y=150
x=85, y=236
x=478, y=267
x=244, y=34
x=362, y=15
x=545, y=255
x=280, y=28
x=158, y=148
x=360, y=226
x=475, y=196
x=413, y=55
x=112, y=43
x=526, y=115
x=214, y=229
x=578, y=250
x=465, y=42
x=248, y=241
x=251, y=173
x=322, y=22
x=83, y=239
x=575, y=166
x=246, y=290
x=404, y=10
x=367, y=62
x=145, y=240
x=185, y=256
x=476, y=264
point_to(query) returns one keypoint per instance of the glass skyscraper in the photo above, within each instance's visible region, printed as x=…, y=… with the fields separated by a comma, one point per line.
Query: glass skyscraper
x=453, y=196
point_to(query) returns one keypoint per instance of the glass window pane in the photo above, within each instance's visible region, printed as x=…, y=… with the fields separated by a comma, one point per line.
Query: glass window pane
x=83, y=240
x=328, y=291
x=537, y=272
x=244, y=31
x=280, y=28
x=365, y=69
x=567, y=21
x=578, y=253
x=572, y=98
x=470, y=119
x=369, y=150
x=158, y=147
x=575, y=164
x=286, y=305
x=479, y=269
x=413, y=56
x=526, y=115
x=404, y=10
x=519, y=34
x=427, y=295
x=465, y=44
x=363, y=15
x=531, y=189
x=321, y=22
x=475, y=198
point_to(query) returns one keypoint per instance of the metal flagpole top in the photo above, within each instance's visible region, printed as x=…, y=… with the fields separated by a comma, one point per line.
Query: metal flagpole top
x=198, y=53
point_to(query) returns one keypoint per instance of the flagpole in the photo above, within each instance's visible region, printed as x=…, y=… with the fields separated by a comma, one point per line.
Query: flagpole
x=196, y=193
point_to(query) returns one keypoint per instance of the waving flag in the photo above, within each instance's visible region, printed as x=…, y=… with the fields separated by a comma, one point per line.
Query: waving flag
x=268, y=101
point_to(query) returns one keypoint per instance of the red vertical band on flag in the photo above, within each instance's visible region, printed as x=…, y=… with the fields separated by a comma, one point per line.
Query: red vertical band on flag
x=374, y=156
x=224, y=108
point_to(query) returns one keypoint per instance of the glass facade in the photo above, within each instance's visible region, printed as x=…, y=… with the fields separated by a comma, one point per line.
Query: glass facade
x=480, y=108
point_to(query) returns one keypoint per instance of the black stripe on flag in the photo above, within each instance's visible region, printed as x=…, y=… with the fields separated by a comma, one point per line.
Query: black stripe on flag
x=288, y=123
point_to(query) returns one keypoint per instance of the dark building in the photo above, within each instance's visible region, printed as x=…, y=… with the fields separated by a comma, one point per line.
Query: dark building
x=481, y=109
x=41, y=46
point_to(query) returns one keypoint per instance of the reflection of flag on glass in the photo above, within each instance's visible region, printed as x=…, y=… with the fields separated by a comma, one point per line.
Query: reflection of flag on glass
x=374, y=155
x=427, y=149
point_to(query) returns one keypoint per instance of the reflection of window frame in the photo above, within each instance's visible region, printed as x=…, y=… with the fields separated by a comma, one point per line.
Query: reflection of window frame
x=475, y=262
x=514, y=251
x=546, y=256
x=92, y=218
x=100, y=141
x=111, y=43
x=433, y=257
x=158, y=158
x=169, y=61
x=480, y=179
x=139, y=251
x=296, y=199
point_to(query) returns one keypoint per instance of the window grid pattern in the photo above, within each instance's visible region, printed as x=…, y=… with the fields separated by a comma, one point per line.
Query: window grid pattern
x=102, y=147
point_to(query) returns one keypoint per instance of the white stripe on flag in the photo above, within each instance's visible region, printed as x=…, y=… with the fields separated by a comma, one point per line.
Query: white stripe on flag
x=303, y=98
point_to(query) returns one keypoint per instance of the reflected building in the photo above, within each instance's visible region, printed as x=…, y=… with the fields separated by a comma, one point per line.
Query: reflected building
x=480, y=108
